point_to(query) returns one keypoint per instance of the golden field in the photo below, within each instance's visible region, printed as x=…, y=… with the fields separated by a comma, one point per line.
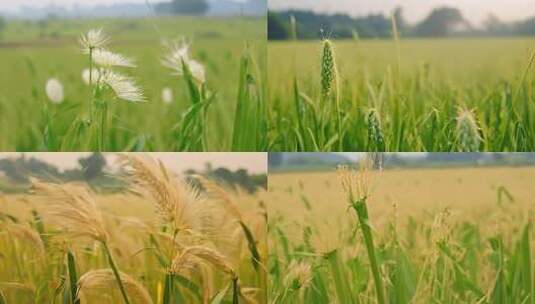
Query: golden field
x=440, y=235
x=161, y=240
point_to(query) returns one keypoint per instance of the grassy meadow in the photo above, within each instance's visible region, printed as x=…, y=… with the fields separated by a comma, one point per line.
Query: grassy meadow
x=222, y=112
x=162, y=239
x=402, y=95
x=441, y=235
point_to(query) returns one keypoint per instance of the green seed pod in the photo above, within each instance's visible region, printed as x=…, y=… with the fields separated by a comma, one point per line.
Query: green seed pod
x=468, y=137
x=375, y=133
x=328, y=69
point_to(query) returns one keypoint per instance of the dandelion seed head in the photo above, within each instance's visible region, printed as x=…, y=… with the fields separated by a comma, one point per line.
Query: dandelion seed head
x=178, y=56
x=94, y=39
x=167, y=95
x=54, y=90
x=123, y=86
x=108, y=59
x=95, y=75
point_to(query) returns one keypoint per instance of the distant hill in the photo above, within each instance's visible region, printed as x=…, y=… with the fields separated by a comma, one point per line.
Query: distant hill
x=216, y=8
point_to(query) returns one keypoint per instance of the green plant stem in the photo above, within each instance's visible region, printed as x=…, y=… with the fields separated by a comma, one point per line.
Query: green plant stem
x=116, y=273
x=91, y=83
x=361, y=209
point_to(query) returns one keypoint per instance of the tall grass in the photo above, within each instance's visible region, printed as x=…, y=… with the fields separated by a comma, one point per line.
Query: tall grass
x=438, y=257
x=414, y=88
x=222, y=112
x=195, y=245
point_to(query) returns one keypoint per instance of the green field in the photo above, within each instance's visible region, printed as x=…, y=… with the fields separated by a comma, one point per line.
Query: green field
x=229, y=48
x=413, y=91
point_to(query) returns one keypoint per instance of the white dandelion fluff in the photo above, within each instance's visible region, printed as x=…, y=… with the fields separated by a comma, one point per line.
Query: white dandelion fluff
x=106, y=58
x=167, y=95
x=177, y=56
x=94, y=39
x=54, y=90
x=123, y=87
x=95, y=75
x=197, y=70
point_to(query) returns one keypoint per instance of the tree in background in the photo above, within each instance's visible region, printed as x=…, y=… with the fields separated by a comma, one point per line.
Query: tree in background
x=183, y=7
x=276, y=28
x=2, y=26
x=93, y=166
x=441, y=23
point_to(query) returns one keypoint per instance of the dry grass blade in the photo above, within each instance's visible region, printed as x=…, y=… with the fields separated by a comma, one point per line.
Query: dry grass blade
x=27, y=235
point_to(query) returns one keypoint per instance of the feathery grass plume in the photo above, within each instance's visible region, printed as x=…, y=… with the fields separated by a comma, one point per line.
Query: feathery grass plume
x=72, y=208
x=109, y=59
x=468, y=135
x=26, y=235
x=357, y=188
x=298, y=275
x=167, y=95
x=328, y=68
x=217, y=193
x=90, y=76
x=54, y=90
x=94, y=39
x=103, y=279
x=190, y=256
x=178, y=56
x=177, y=201
x=375, y=133
x=123, y=86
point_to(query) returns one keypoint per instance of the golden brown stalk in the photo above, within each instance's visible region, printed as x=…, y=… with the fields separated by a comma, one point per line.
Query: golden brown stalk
x=104, y=279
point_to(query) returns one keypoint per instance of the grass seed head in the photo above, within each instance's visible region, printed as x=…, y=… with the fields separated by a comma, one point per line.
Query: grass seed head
x=72, y=208
x=123, y=86
x=298, y=275
x=94, y=39
x=54, y=90
x=178, y=56
x=328, y=68
x=109, y=59
x=95, y=76
x=375, y=132
x=167, y=95
x=468, y=135
x=103, y=279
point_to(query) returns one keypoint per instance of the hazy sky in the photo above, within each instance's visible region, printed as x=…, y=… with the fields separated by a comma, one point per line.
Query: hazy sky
x=11, y=5
x=474, y=10
x=178, y=162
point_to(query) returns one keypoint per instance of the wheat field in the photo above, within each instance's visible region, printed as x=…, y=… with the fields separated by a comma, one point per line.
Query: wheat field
x=450, y=235
x=435, y=95
x=162, y=240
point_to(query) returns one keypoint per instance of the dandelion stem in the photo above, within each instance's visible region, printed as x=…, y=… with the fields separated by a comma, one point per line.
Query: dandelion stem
x=90, y=83
x=116, y=273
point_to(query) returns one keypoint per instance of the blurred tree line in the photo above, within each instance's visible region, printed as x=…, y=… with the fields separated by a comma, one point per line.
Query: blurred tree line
x=95, y=171
x=441, y=22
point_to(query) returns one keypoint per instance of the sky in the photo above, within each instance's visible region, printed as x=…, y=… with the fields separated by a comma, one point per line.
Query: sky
x=178, y=162
x=12, y=5
x=475, y=11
